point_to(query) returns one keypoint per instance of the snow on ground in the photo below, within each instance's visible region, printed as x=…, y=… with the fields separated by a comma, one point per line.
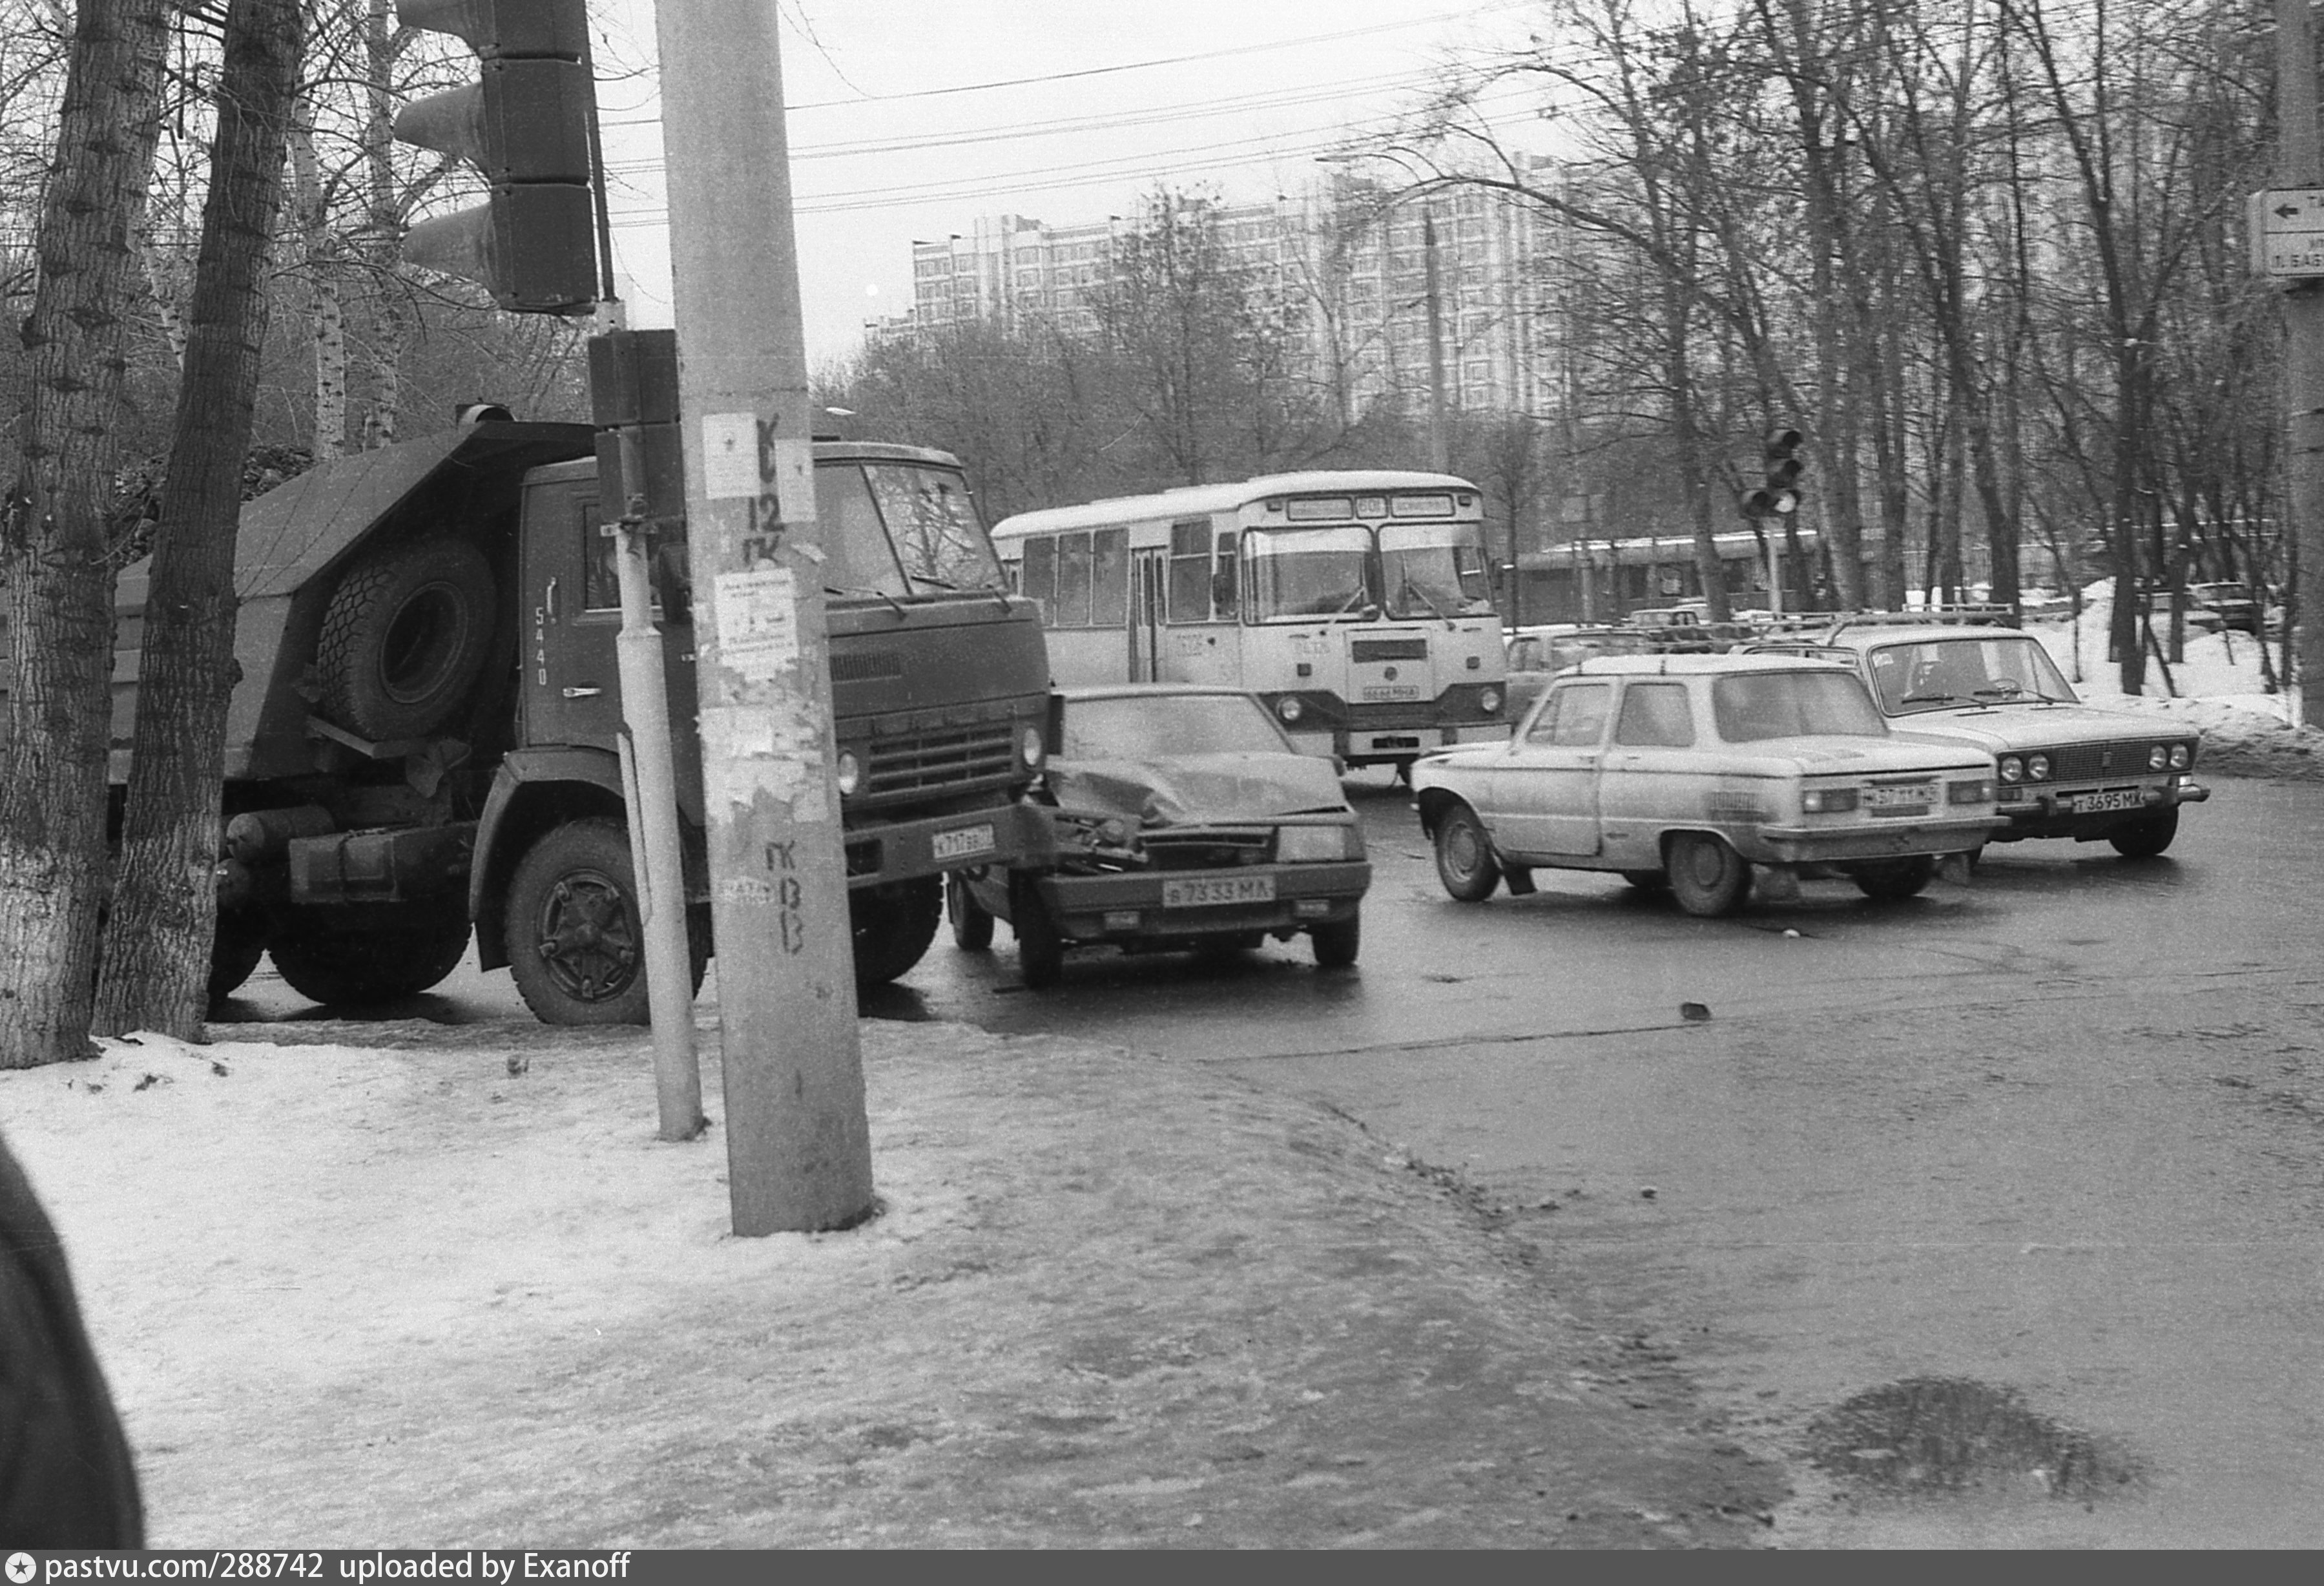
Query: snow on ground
x=2220, y=686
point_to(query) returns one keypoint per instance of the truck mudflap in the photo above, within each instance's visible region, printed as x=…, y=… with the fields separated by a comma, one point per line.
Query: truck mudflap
x=1013, y=836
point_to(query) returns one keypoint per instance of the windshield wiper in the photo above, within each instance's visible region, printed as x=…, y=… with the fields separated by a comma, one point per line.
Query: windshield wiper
x=1349, y=604
x=1434, y=610
x=868, y=594
x=1930, y=699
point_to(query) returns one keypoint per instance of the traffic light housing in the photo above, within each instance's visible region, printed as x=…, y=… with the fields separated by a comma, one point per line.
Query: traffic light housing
x=526, y=125
x=1778, y=495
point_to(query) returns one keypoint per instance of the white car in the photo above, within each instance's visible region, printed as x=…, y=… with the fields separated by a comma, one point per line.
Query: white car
x=1689, y=772
x=2066, y=769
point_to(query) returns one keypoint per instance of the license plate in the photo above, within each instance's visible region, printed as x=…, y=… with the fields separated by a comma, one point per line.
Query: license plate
x=962, y=842
x=1897, y=801
x=1216, y=892
x=2112, y=799
x=1382, y=691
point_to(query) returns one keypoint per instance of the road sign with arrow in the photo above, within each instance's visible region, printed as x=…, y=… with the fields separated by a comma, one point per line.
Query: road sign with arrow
x=2287, y=231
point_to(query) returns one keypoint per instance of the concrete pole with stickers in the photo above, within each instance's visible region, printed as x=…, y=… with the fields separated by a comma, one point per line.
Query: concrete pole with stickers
x=798, y=1146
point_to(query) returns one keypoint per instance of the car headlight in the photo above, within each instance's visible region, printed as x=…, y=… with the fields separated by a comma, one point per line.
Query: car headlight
x=2157, y=758
x=2013, y=769
x=1827, y=800
x=1317, y=844
x=1490, y=701
x=2037, y=768
x=1029, y=745
x=2181, y=757
x=851, y=773
x=1977, y=792
x=1289, y=708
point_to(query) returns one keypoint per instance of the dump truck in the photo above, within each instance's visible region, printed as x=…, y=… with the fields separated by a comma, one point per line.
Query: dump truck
x=422, y=744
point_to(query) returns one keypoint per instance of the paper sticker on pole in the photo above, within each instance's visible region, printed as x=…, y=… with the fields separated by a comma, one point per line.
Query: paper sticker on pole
x=2287, y=231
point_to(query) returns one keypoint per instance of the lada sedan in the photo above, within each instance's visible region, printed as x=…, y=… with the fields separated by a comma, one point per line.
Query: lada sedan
x=1184, y=819
x=1690, y=772
x=2066, y=769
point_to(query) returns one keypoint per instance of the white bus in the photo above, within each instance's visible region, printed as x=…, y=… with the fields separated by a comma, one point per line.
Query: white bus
x=1354, y=603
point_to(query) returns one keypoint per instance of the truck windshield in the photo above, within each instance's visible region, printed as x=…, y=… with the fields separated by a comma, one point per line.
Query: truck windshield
x=1306, y=573
x=1437, y=571
x=1755, y=706
x=900, y=529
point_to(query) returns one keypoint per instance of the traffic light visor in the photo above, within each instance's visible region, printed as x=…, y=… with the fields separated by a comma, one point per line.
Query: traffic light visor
x=493, y=28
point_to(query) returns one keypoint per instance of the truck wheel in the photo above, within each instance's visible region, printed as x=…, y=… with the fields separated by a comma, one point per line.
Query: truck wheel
x=405, y=637
x=1041, y=946
x=2146, y=838
x=893, y=925
x=1892, y=880
x=1336, y=942
x=972, y=922
x=235, y=953
x=577, y=945
x=360, y=968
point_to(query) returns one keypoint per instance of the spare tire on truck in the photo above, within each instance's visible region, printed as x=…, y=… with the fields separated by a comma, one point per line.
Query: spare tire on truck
x=405, y=637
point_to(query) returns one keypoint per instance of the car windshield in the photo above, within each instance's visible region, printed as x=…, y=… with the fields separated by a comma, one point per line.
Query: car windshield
x=1313, y=573
x=1166, y=726
x=1750, y=706
x=1435, y=572
x=1967, y=670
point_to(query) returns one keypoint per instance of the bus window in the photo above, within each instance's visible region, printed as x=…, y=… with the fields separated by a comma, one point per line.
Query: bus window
x=1438, y=571
x=935, y=527
x=1073, y=608
x=1190, y=571
x=1310, y=573
x=1041, y=576
x=856, y=554
x=1109, y=577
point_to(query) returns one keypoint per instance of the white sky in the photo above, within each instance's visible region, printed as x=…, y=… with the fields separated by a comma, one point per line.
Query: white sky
x=1278, y=80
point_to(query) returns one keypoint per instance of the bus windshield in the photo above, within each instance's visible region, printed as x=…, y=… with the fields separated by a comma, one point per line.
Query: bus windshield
x=1437, y=571
x=1306, y=573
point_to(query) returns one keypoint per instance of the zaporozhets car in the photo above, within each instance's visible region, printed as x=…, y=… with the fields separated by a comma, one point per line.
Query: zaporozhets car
x=1698, y=773
x=2065, y=768
x=1184, y=819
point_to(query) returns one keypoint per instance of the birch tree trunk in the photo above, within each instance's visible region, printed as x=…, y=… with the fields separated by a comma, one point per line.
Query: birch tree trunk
x=391, y=325
x=157, y=957
x=53, y=800
x=326, y=315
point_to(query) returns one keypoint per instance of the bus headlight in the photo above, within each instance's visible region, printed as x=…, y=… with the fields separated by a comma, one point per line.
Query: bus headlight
x=1032, y=748
x=1289, y=708
x=851, y=773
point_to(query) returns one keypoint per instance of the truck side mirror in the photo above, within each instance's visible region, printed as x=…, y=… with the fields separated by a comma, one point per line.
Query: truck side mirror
x=673, y=580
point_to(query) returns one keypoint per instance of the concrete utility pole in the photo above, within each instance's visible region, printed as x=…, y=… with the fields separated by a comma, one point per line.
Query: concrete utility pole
x=798, y=1147
x=1440, y=445
x=2299, y=164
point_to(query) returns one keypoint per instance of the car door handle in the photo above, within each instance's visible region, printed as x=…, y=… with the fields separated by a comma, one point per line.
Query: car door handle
x=581, y=693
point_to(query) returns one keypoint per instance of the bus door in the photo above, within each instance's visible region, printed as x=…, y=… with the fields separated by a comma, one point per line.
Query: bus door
x=1149, y=570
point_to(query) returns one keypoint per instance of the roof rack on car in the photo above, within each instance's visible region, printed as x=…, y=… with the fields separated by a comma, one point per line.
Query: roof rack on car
x=1923, y=616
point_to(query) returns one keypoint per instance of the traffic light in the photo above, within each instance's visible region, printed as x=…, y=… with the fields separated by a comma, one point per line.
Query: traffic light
x=526, y=125
x=1779, y=496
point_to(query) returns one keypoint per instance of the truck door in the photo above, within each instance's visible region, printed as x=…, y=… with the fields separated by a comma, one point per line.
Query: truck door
x=572, y=614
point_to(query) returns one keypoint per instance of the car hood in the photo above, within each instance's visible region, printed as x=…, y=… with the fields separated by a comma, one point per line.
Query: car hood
x=1222, y=789
x=1999, y=729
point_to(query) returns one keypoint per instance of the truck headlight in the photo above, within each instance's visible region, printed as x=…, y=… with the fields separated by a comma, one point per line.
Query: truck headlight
x=1032, y=748
x=851, y=773
x=1490, y=702
x=1317, y=844
x=1289, y=708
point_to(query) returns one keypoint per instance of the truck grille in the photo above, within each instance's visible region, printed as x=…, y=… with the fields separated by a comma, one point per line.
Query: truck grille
x=946, y=761
x=1207, y=850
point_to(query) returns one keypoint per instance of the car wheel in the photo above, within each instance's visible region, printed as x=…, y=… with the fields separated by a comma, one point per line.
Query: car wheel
x=1892, y=880
x=1336, y=944
x=1465, y=856
x=2144, y=839
x=1707, y=877
x=971, y=921
x=1040, y=948
x=1648, y=880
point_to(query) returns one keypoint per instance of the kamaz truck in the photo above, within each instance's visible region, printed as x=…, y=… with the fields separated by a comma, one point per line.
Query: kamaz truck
x=422, y=744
